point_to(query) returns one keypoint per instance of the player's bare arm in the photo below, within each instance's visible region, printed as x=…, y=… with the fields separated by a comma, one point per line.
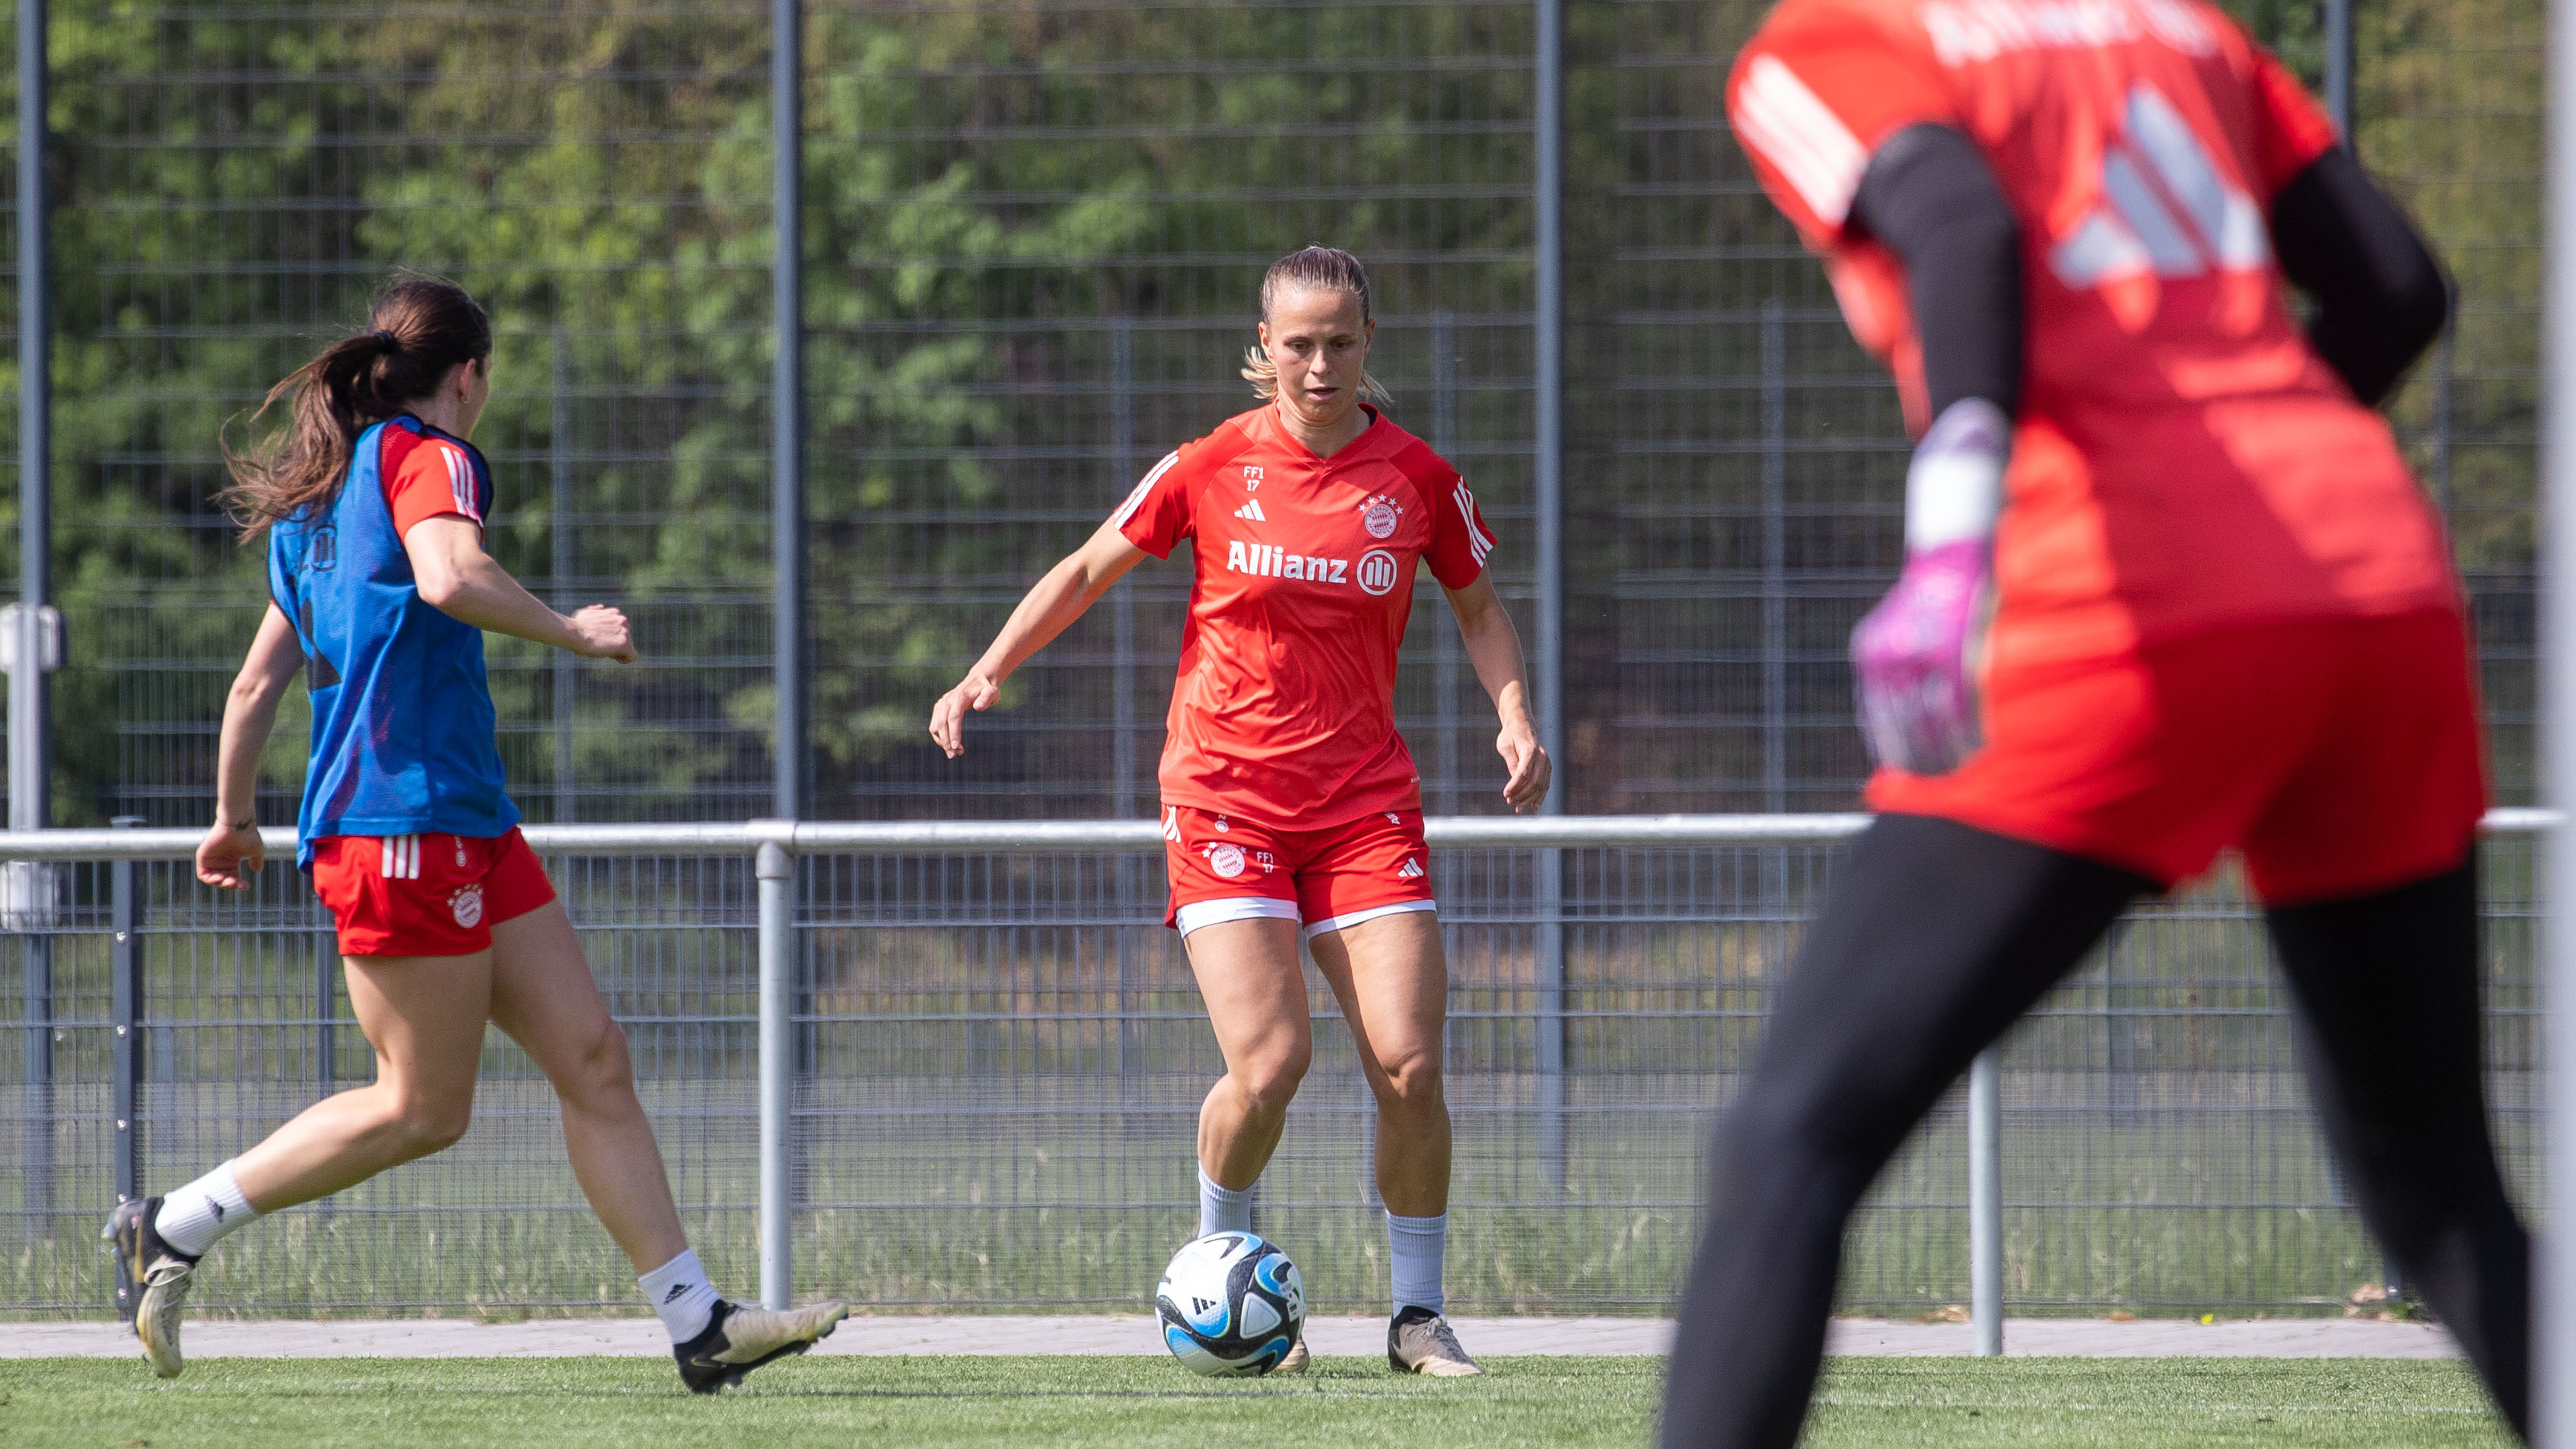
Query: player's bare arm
x=1048, y=609
x=1494, y=648
x=460, y=580
x=230, y=854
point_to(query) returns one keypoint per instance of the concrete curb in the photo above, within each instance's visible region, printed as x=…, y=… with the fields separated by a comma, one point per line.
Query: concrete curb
x=1134, y=1334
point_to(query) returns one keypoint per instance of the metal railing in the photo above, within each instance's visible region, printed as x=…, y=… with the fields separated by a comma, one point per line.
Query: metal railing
x=1657, y=1024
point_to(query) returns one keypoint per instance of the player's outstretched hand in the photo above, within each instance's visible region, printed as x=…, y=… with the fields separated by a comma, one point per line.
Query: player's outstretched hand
x=1528, y=763
x=977, y=692
x=602, y=634
x=1914, y=659
x=230, y=858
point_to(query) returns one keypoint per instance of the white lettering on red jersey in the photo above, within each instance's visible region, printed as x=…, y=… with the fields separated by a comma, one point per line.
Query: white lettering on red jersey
x=2183, y=459
x=1284, y=709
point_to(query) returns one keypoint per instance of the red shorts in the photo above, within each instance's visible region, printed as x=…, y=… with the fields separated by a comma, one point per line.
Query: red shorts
x=426, y=895
x=2342, y=756
x=1225, y=868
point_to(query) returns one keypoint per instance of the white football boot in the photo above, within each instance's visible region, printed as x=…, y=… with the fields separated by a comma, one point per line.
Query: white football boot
x=1419, y=1341
x=152, y=1278
x=740, y=1338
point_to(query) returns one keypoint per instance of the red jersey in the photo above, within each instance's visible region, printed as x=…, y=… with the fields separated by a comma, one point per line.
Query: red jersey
x=2183, y=460
x=1284, y=711
x=425, y=477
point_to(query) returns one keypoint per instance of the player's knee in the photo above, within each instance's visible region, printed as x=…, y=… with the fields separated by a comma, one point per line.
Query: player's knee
x=422, y=1125
x=1412, y=1081
x=602, y=1071
x=1272, y=1077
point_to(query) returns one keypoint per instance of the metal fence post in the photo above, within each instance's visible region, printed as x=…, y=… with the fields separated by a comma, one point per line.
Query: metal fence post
x=1775, y=557
x=1122, y=710
x=1444, y=634
x=30, y=747
x=125, y=994
x=1122, y=465
x=33, y=886
x=2339, y=68
x=787, y=400
x=125, y=1004
x=2553, y=1293
x=776, y=870
x=559, y=543
x=1986, y=1200
x=1549, y=505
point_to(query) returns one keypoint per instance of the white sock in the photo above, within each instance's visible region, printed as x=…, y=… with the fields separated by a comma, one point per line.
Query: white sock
x=1223, y=1209
x=1415, y=1247
x=680, y=1292
x=204, y=1213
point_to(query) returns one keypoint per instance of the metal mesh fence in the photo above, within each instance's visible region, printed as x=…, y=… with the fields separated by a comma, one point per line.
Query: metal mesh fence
x=1032, y=232
x=999, y=1061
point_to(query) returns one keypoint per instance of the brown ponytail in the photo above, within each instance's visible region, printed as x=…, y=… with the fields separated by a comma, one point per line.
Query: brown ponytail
x=1321, y=269
x=419, y=329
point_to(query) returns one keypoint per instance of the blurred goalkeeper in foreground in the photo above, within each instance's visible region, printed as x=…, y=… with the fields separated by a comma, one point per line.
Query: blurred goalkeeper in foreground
x=2170, y=589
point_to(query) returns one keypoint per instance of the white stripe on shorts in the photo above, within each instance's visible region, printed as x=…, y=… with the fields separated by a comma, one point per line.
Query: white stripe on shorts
x=1335, y=923
x=1198, y=915
x=399, y=857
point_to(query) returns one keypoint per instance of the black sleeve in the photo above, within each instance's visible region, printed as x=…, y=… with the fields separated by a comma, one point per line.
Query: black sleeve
x=2381, y=298
x=1929, y=197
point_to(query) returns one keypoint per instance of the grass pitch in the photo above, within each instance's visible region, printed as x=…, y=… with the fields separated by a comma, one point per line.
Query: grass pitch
x=1081, y=1402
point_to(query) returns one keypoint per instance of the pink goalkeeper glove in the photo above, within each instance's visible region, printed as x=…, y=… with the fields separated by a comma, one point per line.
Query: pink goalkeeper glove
x=1918, y=698
x=1914, y=656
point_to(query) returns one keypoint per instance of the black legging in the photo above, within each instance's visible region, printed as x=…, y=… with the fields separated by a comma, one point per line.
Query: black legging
x=1935, y=939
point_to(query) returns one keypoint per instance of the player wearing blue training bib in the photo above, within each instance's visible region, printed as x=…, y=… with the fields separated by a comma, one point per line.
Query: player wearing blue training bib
x=379, y=593
x=403, y=727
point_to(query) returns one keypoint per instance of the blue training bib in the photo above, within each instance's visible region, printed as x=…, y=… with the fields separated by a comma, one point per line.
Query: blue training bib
x=403, y=726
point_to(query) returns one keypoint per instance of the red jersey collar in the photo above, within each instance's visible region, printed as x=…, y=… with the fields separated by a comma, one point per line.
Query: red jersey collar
x=1373, y=440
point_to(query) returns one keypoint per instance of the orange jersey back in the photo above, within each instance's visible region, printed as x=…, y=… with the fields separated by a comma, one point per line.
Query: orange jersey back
x=1284, y=711
x=2184, y=459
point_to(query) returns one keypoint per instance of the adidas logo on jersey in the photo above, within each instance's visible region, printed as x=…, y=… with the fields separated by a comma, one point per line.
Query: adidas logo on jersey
x=2167, y=209
x=1410, y=870
x=1251, y=510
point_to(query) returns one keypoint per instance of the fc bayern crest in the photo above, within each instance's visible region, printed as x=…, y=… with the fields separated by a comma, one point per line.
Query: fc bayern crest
x=1226, y=860
x=1380, y=518
x=467, y=905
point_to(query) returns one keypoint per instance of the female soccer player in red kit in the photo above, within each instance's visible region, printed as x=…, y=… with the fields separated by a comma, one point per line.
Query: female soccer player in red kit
x=1288, y=797
x=373, y=500
x=2222, y=616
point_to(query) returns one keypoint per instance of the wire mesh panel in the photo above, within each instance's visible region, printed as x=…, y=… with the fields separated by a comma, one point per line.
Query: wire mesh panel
x=1047, y=226
x=240, y=181
x=999, y=1061
x=245, y=1020
x=1751, y=451
x=1032, y=233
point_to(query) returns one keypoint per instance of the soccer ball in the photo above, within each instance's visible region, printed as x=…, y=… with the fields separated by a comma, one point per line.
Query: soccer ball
x=1231, y=1305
